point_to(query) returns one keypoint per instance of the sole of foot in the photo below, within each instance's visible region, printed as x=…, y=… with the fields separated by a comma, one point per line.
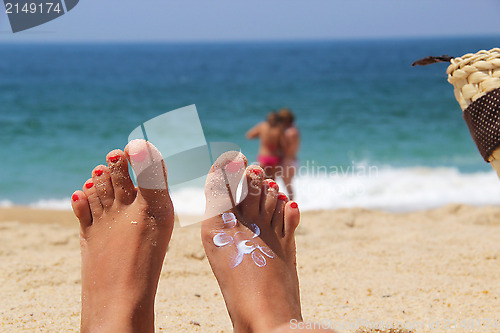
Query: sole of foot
x=251, y=245
x=124, y=235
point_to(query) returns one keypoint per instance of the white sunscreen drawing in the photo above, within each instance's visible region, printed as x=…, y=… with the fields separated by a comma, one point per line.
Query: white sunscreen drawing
x=244, y=246
x=230, y=220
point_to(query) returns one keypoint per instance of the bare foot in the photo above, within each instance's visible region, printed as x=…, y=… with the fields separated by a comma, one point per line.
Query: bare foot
x=124, y=236
x=251, y=247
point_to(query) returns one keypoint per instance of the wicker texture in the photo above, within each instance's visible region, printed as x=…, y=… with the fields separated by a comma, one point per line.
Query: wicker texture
x=474, y=74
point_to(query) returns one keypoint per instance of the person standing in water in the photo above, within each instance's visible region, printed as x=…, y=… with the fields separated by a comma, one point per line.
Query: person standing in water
x=290, y=148
x=270, y=134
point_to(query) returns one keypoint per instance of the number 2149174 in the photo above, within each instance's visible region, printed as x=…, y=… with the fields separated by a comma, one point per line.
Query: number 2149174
x=32, y=8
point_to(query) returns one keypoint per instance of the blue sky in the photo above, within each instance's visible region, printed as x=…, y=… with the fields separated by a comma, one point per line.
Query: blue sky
x=221, y=20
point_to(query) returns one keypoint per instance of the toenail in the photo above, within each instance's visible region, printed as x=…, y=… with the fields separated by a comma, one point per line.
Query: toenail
x=234, y=166
x=114, y=159
x=89, y=184
x=273, y=185
x=282, y=197
x=294, y=205
x=98, y=172
x=258, y=172
x=138, y=156
x=75, y=197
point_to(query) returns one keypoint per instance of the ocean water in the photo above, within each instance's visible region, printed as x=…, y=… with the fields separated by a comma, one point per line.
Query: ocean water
x=376, y=132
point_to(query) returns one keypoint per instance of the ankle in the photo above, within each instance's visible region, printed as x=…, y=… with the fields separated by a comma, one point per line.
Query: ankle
x=266, y=320
x=119, y=318
x=265, y=326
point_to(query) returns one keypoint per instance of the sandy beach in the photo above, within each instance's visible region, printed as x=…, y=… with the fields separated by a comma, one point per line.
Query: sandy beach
x=431, y=271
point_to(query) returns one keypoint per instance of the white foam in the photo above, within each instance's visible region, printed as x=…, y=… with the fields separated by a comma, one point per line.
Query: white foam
x=391, y=189
x=57, y=204
x=189, y=201
x=5, y=204
x=404, y=189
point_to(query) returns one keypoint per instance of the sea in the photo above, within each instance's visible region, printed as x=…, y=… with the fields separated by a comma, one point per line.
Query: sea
x=376, y=132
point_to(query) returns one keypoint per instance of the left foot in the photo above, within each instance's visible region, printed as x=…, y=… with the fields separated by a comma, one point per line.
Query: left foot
x=124, y=234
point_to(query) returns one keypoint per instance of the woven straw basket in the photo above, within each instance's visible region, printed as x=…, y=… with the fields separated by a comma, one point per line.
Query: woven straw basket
x=473, y=76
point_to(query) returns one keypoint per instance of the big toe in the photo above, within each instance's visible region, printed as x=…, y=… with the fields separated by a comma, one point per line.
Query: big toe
x=222, y=183
x=150, y=170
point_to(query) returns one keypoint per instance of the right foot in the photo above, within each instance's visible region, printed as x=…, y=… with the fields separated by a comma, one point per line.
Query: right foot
x=124, y=234
x=251, y=247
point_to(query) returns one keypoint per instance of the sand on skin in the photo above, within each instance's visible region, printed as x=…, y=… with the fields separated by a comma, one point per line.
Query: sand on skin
x=430, y=270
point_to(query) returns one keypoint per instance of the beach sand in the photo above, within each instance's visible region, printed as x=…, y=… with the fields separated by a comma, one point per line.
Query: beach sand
x=430, y=270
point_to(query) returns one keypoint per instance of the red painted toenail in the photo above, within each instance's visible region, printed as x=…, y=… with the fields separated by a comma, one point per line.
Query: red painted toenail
x=99, y=172
x=282, y=197
x=294, y=205
x=273, y=185
x=114, y=159
x=89, y=184
x=258, y=172
x=75, y=197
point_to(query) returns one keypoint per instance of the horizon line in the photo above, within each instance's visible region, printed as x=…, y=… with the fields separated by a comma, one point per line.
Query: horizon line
x=242, y=40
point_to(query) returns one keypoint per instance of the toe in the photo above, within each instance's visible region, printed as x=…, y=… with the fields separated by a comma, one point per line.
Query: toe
x=151, y=173
x=96, y=208
x=279, y=213
x=291, y=220
x=222, y=183
x=269, y=198
x=231, y=167
x=254, y=176
x=123, y=186
x=81, y=208
x=103, y=186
